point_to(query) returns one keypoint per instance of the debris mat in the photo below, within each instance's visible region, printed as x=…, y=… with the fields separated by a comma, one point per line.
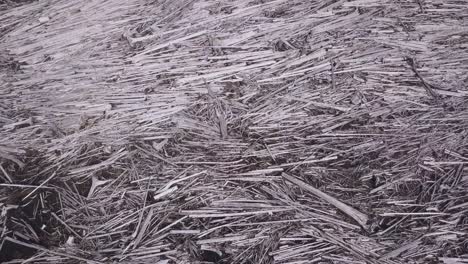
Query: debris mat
x=249, y=131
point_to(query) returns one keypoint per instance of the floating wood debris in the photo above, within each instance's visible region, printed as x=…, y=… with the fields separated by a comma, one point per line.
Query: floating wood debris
x=168, y=131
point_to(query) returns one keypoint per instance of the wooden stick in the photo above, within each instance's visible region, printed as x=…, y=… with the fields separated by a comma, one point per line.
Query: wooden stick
x=359, y=217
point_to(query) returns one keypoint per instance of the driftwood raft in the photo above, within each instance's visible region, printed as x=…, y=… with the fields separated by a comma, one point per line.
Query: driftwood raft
x=247, y=131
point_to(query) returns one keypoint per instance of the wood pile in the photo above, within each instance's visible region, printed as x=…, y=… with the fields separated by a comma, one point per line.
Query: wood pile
x=249, y=131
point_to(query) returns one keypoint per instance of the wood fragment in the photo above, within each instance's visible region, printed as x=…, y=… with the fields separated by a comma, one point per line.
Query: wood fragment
x=359, y=217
